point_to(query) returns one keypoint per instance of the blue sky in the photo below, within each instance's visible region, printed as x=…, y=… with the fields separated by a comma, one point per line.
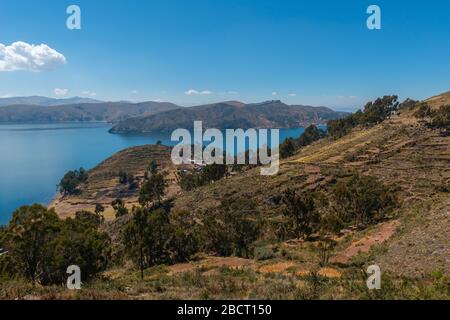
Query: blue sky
x=307, y=52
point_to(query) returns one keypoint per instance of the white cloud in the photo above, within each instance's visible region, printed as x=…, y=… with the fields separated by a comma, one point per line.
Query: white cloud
x=292, y=94
x=193, y=92
x=274, y=93
x=347, y=97
x=6, y=96
x=134, y=91
x=24, y=56
x=61, y=92
x=89, y=93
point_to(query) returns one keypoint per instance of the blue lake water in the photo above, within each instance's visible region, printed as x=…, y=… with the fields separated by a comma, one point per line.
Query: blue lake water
x=34, y=157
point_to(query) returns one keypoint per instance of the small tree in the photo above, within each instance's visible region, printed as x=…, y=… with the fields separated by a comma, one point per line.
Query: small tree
x=441, y=118
x=29, y=233
x=214, y=172
x=153, y=167
x=379, y=110
x=71, y=180
x=311, y=134
x=325, y=246
x=301, y=210
x=119, y=207
x=362, y=199
x=78, y=243
x=147, y=237
x=184, y=241
x=99, y=209
x=190, y=181
x=287, y=148
x=152, y=190
x=41, y=246
x=134, y=238
x=88, y=218
x=232, y=228
x=132, y=182
x=374, y=113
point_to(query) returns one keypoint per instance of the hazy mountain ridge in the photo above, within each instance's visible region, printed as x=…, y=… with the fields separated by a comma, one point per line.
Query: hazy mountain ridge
x=101, y=111
x=44, y=101
x=233, y=114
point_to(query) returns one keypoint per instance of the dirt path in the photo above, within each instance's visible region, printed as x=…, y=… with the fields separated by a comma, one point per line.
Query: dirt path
x=383, y=233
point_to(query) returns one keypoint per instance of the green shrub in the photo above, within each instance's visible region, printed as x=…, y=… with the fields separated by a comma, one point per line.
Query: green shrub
x=362, y=199
x=302, y=214
x=311, y=134
x=152, y=238
x=423, y=111
x=209, y=173
x=152, y=190
x=287, y=148
x=290, y=146
x=119, y=207
x=374, y=112
x=41, y=246
x=71, y=180
x=441, y=118
x=231, y=229
x=264, y=253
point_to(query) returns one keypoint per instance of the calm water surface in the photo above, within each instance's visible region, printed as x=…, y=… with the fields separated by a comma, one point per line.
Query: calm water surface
x=34, y=157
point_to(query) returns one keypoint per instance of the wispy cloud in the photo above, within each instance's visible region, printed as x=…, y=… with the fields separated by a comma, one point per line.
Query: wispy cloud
x=24, y=56
x=292, y=94
x=134, y=91
x=89, y=93
x=60, y=92
x=347, y=97
x=193, y=92
x=274, y=93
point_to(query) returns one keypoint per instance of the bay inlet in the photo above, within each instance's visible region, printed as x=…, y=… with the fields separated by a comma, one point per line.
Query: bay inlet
x=34, y=157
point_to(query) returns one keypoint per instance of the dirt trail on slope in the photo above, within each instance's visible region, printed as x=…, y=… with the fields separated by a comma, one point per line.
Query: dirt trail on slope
x=383, y=233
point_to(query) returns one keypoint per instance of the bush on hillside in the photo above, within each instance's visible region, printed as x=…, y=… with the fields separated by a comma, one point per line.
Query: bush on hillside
x=152, y=190
x=151, y=238
x=441, y=118
x=423, y=111
x=290, y=146
x=119, y=208
x=231, y=229
x=301, y=212
x=287, y=148
x=41, y=246
x=210, y=173
x=362, y=199
x=374, y=112
x=356, y=200
x=311, y=134
x=71, y=180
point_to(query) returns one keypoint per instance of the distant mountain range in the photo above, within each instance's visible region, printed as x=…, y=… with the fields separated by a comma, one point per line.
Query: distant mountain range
x=44, y=101
x=100, y=111
x=146, y=117
x=232, y=114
